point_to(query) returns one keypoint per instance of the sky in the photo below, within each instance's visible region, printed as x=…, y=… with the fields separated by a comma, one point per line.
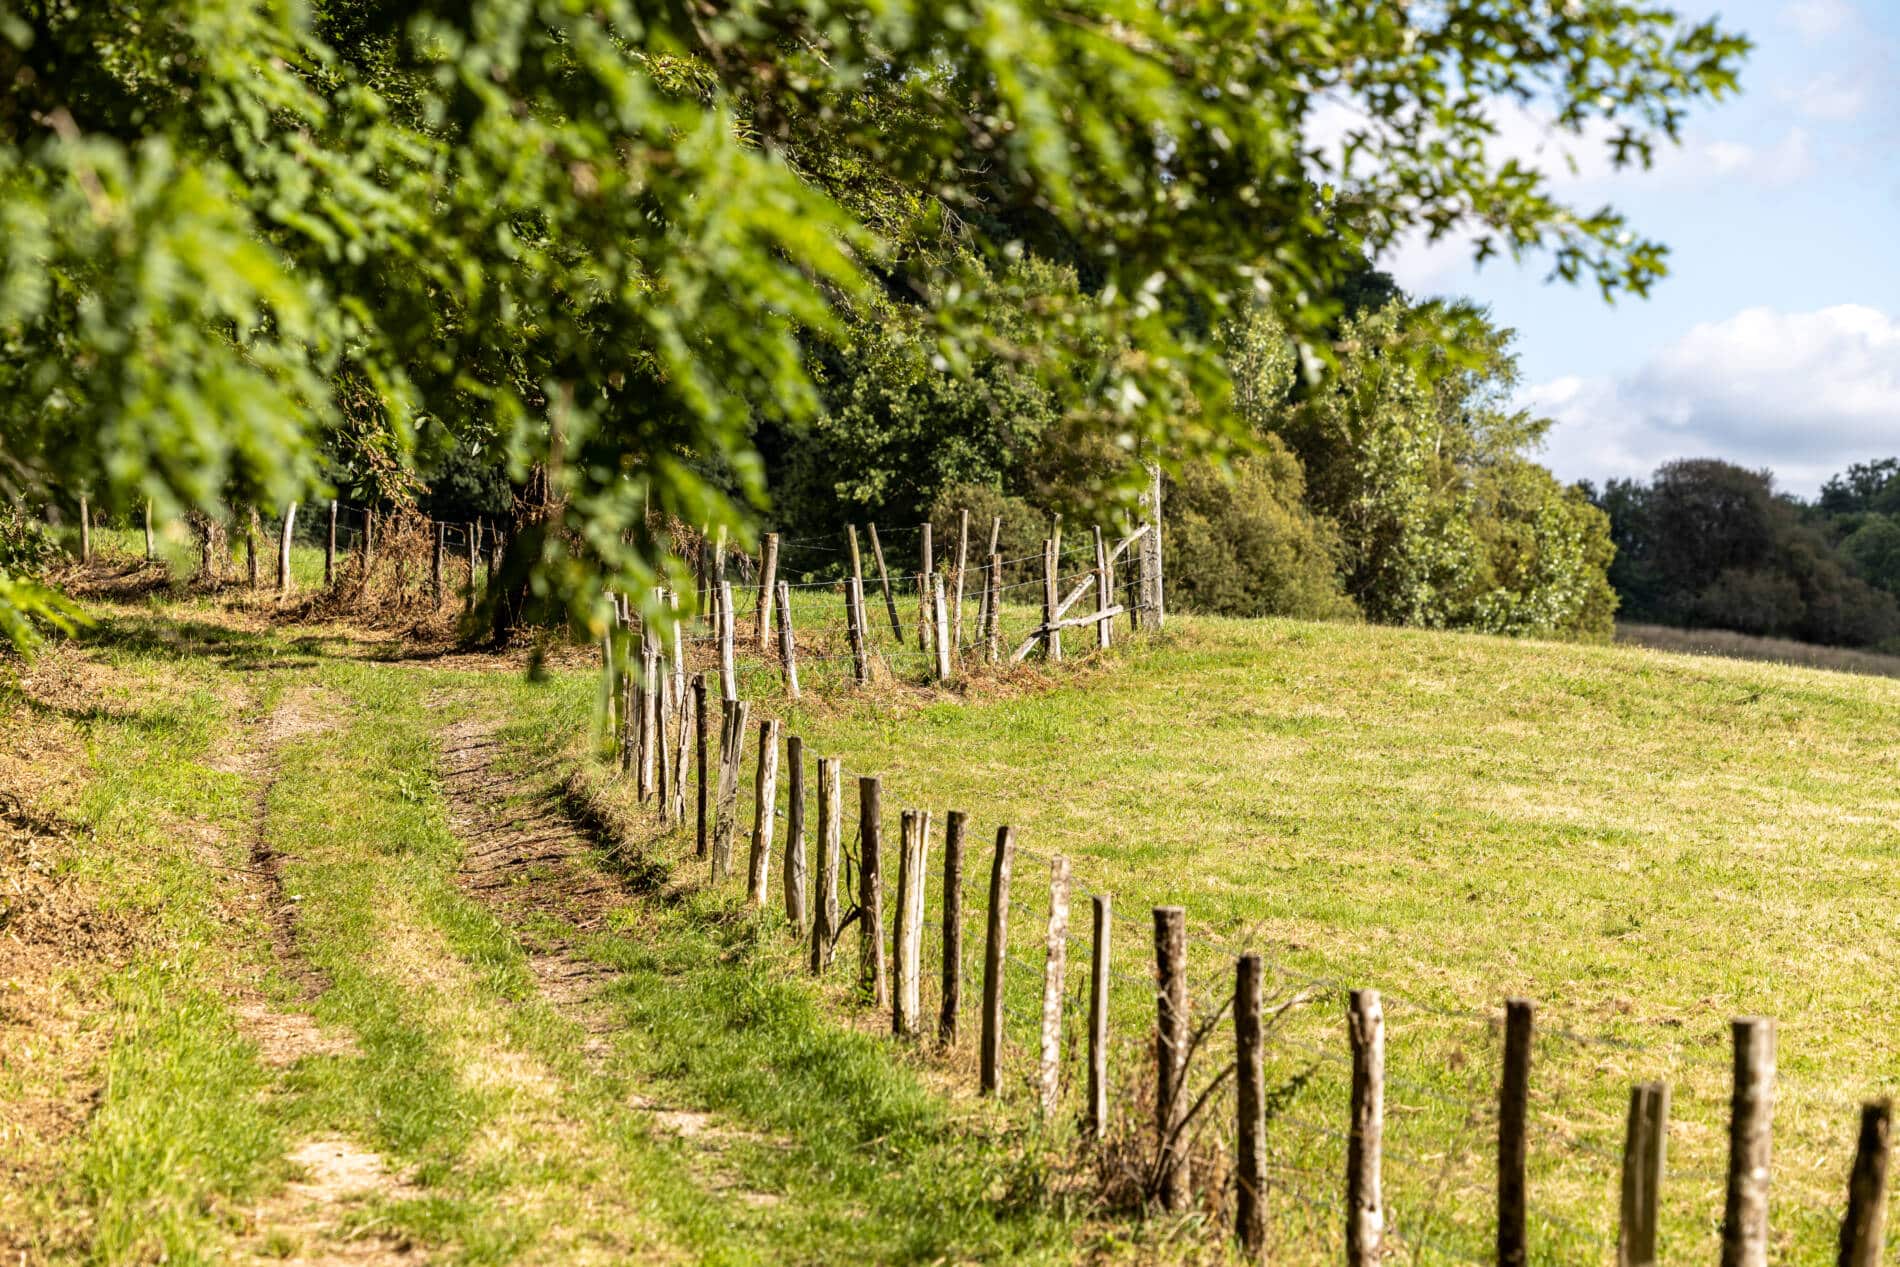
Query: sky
x=1775, y=341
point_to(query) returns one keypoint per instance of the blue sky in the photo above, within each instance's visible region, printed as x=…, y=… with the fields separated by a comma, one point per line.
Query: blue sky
x=1776, y=339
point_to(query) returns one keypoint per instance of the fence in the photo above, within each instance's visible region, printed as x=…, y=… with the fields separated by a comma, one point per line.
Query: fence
x=1207, y=1079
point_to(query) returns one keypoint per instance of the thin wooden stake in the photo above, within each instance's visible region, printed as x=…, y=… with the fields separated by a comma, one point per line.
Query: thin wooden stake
x=857, y=561
x=474, y=549
x=1052, y=636
x=795, y=835
x=1644, y=1140
x=283, y=552
x=873, y=979
x=768, y=587
x=85, y=536
x=726, y=808
x=923, y=616
x=824, y=916
x=1864, y=1229
x=995, y=950
x=963, y=562
x=854, y=625
x=150, y=549
x=764, y=813
x=1096, y=1121
x=1054, y=973
x=993, y=639
x=1250, y=1160
x=700, y=725
x=1513, y=1111
x=728, y=672
x=1365, y=1142
x=329, y=550
x=944, y=635
x=883, y=579
x=907, y=947
x=250, y=545
x=1750, y=1129
x=1104, y=594
x=787, y=643
x=1171, y=1052
x=952, y=990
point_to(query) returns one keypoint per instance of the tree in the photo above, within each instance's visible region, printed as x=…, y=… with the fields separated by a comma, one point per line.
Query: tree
x=595, y=238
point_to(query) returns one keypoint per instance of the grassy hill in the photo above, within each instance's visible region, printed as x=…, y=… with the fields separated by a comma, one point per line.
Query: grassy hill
x=308, y=956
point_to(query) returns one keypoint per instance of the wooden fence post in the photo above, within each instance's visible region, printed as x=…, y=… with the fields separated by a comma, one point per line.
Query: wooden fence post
x=1171, y=1050
x=1644, y=1141
x=728, y=672
x=995, y=952
x=1750, y=1129
x=649, y=717
x=725, y=808
x=824, y=916
x=1051, y=636
x=768, y=587
x=150, y=549
x=1250, y=1162
x=787, y=643
x=883, y=579
x=283, y=552
x=1154, y=614
x=994, y=637
x=700, y=725
x=1365, y=1144
x=1864, y=1229
x=663, y=757
x=250, y=546
x=85, y=533
x=1096, y=1123
x=907, y=948
x=682, y=747
x=1513, y=1111
x=954, y=829
x=1104, y=594
x=1054, y=973
x=795, y=834
x=329, y=550
x=872, y=977
x=928, y=556
x=945, y=635
x=473, y=531
x=854, y=625
x=963, y=562
x=857, y=561
x=764, y=813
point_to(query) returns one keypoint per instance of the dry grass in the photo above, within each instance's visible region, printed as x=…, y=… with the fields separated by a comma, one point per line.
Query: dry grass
x=1735, y=646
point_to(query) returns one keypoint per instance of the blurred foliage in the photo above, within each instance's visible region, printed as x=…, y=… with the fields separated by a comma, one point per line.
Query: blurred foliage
x=251, y=250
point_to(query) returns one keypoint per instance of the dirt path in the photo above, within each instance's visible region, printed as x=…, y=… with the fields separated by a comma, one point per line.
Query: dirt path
x=529, y=858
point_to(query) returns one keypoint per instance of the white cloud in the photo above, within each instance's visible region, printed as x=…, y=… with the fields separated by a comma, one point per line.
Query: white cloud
x=1817, y=20
x=1803, y=393
x=1830, y=97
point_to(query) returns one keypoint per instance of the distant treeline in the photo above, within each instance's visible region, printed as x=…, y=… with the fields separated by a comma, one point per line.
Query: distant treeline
x=1705, y=543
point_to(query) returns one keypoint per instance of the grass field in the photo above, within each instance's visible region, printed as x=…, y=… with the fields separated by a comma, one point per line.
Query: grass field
x=1647, y=844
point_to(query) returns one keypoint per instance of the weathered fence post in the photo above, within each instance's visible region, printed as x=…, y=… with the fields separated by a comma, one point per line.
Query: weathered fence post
x=1250, y=1161
x=649, y=700
x=1750, y=1131
x=768, y=588
x=329, y=550
x=854, y=625
x=1864, y=1229
x=764, y=813
x=725, y=809
x=728, y=672
x=795, y=834
x=1055, y=970
x=954, y=830
x=700, y=725
x=1171, y=1044
x=663, y=765
x=1104, y=594
x=1153, y=608
x=857, y=561
x=872, y=977
x=1052, y=637
x=1096, y=1122
x=150, y=549
x=993, y=638
x=1644, y=1140
x=963, y=562
x=824, y=915
x=907, y=947
x=250, y=545
x=283, y=552
x=928, y=556
x=1365, y=1142
x=474, y=549
x=85, y=533
x=787, y=643
x=883, y=579
x=995, y=952
x=1513, y=1111
x=945, y=635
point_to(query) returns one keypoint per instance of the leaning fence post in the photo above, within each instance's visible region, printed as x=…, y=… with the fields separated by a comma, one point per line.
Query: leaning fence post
x=1864, y=1229
x=283, y=552
x=1750, y=1129
x=871, y=972
x=907, y=949
x=1096, y=1122
x=1250, y=1163
x=768, y=587
x=995, y=952
x=952, y=991
x=1055, y=969
x=945, y=635
x=700, y=725
x=795, y=834
x=883, y=579
x=1104, y=594
x=1171, y=1044
x=1365, y=1144
x=764, y=813
x=824, y=916
x=725, y=810
x=854, y=624
x=1643, y=1156
x=787, y=644
x=1513, y=1110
